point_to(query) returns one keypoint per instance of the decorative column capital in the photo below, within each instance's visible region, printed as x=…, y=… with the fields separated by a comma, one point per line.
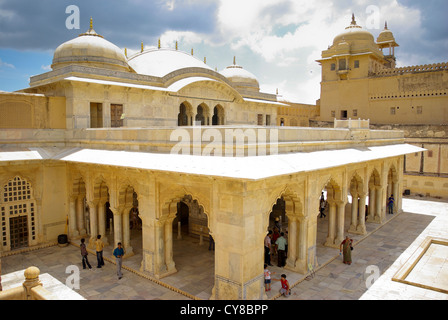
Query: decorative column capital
x=92, y=203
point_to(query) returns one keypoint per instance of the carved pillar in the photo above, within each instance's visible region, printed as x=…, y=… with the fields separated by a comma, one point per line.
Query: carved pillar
x=354, y=211
x=73, y=225
x=396, y=193
x=302, y=246
x=159, y=250
x=170, y=265
x=102, y=222
x=129, y=251
x=93, y=222
x=379, y=205
x=372, y=196
x=361, y=227
x=80, y=215
x=331, y=224
x=292, y=242
x=340, y=222
x=118, y=225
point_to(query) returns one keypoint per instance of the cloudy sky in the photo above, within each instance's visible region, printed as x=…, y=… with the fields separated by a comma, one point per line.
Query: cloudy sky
x=277, y=40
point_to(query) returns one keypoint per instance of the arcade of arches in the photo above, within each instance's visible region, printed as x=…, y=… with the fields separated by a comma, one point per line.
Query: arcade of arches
x=145, y=209
x=202, y=114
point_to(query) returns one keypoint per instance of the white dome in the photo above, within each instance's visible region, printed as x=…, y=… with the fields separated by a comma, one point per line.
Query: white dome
x=241, y=77
x=160, y=62
x=90, y=49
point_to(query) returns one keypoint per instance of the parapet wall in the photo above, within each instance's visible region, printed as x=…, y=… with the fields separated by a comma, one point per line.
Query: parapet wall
x=412, y=69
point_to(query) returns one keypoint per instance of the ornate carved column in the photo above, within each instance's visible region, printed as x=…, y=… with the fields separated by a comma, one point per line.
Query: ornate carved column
x=72, y=223
x=159, y=250
x=129, y=251
x=93, y=222
x=118, y=225
x=372, y=196
x=80, y=215
x=102, y=222
x=340, y=222
x=354, y=211
x=170, y=265
x=331, y=224
x=292, y=242
x=379, y=205
x=396, y=193
x=361, y=227
x=302, y=246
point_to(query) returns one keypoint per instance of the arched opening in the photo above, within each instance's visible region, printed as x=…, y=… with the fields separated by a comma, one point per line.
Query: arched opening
x=218, y=116
x=277, y=227
x=331, y=231
x=183, y=118
x=375, y=198
x=126, y=222
x=188, y=247
x=78, y=219
x=201, y=115
x=291, y=249
x=358, y=207
x=392, y=191
x=98, y=212
x=18, y=214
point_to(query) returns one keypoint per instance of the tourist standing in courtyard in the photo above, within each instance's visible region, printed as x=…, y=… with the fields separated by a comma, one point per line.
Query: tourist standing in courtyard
x=346, y=249
x=322, y=205
x=267, y=248
x=281, y=250
x=84, y=254
x=390, y=204
x=99, y=251
x=119, y=253
x=267, y=278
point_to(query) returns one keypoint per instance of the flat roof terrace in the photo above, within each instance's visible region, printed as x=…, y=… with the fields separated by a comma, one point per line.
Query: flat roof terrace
x=254, y=152
x=205, y=140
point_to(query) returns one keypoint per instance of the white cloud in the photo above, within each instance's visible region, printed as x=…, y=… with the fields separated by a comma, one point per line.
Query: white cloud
x=46, y=67
x=169, y=38
x=7, y=65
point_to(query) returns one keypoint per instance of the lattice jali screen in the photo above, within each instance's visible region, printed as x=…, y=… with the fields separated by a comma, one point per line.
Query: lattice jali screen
x=18, y=214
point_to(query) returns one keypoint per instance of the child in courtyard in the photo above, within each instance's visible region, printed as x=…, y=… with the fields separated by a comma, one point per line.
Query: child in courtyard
x=267, y=278
x=285, y=289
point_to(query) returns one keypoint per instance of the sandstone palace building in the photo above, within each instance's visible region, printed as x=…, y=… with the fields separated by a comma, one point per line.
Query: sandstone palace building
x=103, y=136
x=360, y=79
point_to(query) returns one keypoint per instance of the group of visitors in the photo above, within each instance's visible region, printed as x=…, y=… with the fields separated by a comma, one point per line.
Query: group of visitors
x=99, y=246
x=276, y=243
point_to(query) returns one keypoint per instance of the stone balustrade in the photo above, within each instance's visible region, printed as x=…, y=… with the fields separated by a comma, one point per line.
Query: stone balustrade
x=31, y=288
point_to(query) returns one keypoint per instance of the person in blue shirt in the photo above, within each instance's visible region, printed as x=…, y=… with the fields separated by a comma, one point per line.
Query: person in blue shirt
x=119, y=253
x=390, y=204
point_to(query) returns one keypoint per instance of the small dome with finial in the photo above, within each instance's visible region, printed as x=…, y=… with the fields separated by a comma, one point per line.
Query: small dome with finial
x=386, y=36
x=240, y=77
x=354, y=32
x=90, y=49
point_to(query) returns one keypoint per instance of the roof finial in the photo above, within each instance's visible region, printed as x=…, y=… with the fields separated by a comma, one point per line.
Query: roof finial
x=126, y=52
x=159, y=45
x=177, y=46
x=91, y=23
x=385, y=26
x=234, y=60
x=142, y=47
x=191, y=51
x=205, y=60
x=353, y=19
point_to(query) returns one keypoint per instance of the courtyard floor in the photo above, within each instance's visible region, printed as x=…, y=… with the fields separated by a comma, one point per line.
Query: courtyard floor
x=376, y=259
